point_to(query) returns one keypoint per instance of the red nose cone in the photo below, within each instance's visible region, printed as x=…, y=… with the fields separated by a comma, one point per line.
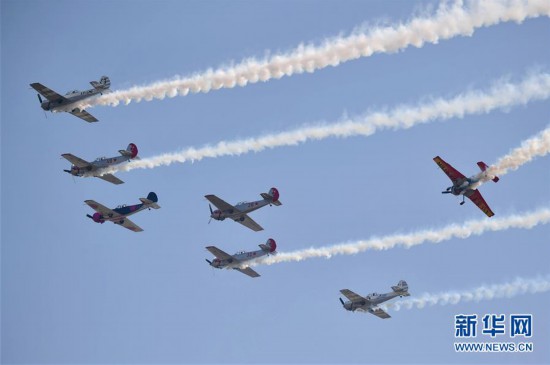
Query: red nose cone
x=272, y=245
x=97, y=217
x=133, y=150
x=274, y=193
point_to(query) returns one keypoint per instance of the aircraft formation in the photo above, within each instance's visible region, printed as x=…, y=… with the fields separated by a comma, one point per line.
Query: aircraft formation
x=467, y=187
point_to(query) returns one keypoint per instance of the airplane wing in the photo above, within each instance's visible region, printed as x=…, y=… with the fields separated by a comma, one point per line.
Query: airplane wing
x=111, y=178
x=477, y=199
x=354, y=297
x=219, y=253
x=250, y=223
x=130, y=225
x=248, y=271
x=220, y=203
x=77, y=161
x=83, y=114
x=103, y=210
x=379, y=313
x=47, y=92
x=451, y=172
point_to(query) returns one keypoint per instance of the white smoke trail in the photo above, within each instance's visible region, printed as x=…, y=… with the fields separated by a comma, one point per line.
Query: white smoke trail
x=467, y=229
x=518, y=286
x=500, y=95
x=461, y=18
x=531, y=148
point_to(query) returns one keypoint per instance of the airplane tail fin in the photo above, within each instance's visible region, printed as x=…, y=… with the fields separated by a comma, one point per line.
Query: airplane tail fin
x=130, y=151
x=402, y=288
x=273, y=196
x=103, y=84
x=483, y=166
x=270, y=246
x=151, y=199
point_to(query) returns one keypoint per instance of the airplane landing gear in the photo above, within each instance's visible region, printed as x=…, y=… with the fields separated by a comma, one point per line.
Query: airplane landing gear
x=462, y=202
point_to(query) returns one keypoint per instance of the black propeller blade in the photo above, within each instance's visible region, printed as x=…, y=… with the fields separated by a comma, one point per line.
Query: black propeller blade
x=341, y=301
x=211, y=212
x=209, y=262
x=39, y=98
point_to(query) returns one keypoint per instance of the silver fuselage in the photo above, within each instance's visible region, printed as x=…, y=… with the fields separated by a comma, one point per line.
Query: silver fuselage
x=372, y=301
x=73, y=101
x=470, y=183
x=238, y=259
x=98, y=165
x=240, y=208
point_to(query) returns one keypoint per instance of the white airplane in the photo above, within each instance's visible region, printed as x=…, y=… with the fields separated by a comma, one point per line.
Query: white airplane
x=69, y=103
x=84, y=168
x=371, y=301
x=239, y=212
x=119, y=215
x=227, y=261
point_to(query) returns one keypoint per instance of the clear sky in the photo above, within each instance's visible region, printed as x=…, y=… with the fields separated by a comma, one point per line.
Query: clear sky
x=78, y=292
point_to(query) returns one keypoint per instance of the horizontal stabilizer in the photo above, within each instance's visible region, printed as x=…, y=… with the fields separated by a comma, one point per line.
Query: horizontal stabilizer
x=103, y=84
x=401, y=288
x=266, y=196
x=151, y=203
x=483, y=166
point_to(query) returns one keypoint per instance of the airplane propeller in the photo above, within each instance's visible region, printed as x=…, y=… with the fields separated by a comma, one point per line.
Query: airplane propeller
x=211, y=212
x=209, y=262
x=341, y=301
x=40, y=100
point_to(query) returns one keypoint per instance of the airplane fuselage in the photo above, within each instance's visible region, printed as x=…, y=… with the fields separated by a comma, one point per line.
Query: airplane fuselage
x=238, y=259
x=123, y=210
x=373, y=300
x=240, y=209
x=471, y=183
x=99, y=164
x=72, y=103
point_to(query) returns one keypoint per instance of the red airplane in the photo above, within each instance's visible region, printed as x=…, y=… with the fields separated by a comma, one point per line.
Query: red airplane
x=467, y=186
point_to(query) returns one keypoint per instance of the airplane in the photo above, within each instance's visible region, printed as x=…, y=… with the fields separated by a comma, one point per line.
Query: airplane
x=224, y=260
x=467, y=187
x=69, y=103
x=371, y=301
x=239, y=212
x=84, y=168
x=119, y=214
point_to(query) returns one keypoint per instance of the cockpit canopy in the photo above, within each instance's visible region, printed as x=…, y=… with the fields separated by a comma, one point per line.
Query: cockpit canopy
x=72, y=92
x=121, y=206
x=101, y=158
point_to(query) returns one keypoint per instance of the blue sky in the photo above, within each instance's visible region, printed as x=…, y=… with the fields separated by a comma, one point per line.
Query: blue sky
x=78, y=292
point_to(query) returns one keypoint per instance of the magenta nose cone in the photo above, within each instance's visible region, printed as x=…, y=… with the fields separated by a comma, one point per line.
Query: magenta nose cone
x=97, y=218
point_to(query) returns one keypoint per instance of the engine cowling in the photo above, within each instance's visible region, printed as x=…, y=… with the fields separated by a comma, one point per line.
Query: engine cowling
x=98, y=218
x=274, y=194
